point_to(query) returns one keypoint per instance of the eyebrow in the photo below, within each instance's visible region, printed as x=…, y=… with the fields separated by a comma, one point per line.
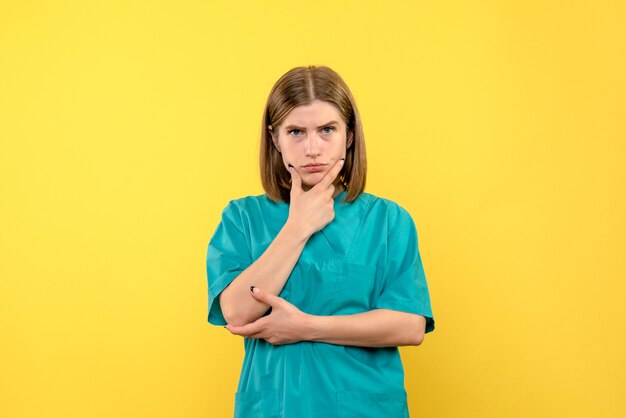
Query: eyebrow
x=332, y=122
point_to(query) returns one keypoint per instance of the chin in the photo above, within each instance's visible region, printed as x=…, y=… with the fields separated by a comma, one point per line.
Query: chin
x=312, y=179
x=309, y=184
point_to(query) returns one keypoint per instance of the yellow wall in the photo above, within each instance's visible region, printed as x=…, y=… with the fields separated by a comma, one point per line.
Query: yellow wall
x=126, y=127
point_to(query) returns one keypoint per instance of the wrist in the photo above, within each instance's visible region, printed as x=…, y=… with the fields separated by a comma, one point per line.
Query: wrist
x=310, y=327
x=296, y=231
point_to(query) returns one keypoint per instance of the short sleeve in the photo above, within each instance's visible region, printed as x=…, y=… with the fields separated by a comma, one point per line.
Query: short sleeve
x=405, y=288
x=227, y=256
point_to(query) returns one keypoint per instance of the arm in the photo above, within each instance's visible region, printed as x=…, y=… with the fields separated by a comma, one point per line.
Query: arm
x=269, y=271
x=308, y=213
x=376, y=328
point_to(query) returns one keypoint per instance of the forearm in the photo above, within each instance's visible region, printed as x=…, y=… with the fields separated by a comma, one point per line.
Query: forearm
x=270, y=271
x=375, y=328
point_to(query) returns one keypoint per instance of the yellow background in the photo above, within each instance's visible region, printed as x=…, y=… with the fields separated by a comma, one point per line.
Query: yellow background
x=126, y=127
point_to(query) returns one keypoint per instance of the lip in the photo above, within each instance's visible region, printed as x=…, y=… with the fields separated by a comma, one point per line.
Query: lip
x=313, y=168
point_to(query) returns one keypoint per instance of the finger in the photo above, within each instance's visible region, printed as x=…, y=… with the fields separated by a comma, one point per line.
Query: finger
x=241, y=331
x=248, y=329
x=330, y=177
x=296, y=180
x=264, y=296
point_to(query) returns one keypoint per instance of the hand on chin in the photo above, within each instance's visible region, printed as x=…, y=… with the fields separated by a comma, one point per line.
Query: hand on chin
x=311, y=179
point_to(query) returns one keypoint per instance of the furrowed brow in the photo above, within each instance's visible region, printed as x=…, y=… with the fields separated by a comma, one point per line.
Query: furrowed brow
x=332, y=122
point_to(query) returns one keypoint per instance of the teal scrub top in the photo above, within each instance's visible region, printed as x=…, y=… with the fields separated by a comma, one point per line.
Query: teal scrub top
x=366, y=258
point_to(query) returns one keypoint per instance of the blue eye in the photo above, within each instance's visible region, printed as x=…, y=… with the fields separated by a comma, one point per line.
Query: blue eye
x=328, y=127
x=293, y=132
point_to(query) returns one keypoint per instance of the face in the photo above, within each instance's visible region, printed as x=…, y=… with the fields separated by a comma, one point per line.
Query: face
x=312, y=138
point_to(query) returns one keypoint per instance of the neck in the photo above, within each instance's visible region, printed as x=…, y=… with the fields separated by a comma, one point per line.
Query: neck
x=338, y=189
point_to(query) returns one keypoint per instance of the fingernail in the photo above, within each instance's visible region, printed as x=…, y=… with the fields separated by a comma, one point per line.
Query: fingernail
x=252, y=288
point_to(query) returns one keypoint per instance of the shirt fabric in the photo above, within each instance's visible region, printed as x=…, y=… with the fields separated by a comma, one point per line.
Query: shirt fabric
x=366, y=258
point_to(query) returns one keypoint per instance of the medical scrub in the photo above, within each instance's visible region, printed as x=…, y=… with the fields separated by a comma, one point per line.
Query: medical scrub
x=366, y=258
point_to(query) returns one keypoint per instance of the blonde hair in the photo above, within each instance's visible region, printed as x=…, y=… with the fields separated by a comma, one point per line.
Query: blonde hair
x=300, y=86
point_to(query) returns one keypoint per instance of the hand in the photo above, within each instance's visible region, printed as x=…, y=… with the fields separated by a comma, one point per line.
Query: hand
x=313, y=209
x=284, y=325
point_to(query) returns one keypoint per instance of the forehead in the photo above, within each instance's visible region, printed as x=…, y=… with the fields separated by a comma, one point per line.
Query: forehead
x=313, y=114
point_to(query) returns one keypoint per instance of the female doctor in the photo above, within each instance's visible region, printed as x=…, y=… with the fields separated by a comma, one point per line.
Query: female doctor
x=323, y=280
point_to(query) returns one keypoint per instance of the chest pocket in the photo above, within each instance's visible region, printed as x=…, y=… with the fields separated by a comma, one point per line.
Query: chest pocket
x=330, y=287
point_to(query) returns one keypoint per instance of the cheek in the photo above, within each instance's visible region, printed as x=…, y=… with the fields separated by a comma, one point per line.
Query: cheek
x=288, y=157
x=339, y=151
x=286, y=154
x=290, y=150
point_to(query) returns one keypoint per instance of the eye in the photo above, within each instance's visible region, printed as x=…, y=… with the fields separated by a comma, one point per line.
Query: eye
x=328, y=129
x=294, y=132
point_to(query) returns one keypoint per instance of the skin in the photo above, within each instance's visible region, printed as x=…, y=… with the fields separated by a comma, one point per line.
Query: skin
x=376, y=328
x=308, y=212
x=306, y=136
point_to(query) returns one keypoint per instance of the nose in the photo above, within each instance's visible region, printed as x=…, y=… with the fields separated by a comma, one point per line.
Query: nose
x=313, y=146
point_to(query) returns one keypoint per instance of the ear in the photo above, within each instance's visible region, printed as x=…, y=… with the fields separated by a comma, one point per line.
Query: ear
x=349, y=139
x=274, y=136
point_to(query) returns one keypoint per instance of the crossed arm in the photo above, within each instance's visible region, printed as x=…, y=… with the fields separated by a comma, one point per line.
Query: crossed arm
x=286, y=324
x=309, y=211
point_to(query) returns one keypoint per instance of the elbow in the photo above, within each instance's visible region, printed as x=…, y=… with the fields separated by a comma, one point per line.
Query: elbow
x=239, y=314
x=417, y=331
x=236, y=317
x=233, y=317
x=228, y=317
x=414, y=338
x=417, y=339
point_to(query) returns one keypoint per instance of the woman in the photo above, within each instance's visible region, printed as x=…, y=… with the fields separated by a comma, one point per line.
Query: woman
x=323, y=280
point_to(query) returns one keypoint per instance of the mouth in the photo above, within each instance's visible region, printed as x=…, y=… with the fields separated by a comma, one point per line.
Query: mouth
x=314, y=167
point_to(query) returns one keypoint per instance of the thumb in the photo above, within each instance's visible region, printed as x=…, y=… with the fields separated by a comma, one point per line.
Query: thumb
x=263, y=296
x=296, y=180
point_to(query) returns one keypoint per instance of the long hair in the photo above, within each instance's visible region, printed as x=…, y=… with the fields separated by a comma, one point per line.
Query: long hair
x=300, y=86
